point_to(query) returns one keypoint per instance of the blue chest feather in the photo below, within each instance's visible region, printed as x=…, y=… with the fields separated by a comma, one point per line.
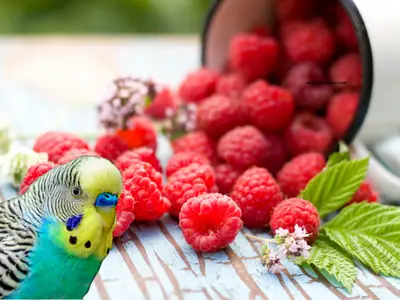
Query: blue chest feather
x=54, y=273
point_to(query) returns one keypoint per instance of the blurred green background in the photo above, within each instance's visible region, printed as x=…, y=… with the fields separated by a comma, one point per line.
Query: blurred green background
x=102, y=16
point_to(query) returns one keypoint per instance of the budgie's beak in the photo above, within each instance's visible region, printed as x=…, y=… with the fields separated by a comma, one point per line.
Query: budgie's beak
x=106, y=200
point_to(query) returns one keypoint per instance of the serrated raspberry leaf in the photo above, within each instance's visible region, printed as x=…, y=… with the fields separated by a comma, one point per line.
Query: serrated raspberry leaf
x=334, y=187
x=337, y=158
x=370, y=232
x=333, y=263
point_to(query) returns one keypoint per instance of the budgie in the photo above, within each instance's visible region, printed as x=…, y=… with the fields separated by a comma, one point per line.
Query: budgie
x=54, y=237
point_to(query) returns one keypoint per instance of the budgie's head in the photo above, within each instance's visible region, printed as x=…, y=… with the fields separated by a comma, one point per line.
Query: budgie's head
x=84, y=182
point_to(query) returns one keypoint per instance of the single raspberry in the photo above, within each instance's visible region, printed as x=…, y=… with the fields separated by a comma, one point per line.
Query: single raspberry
x=306, y=83
x=231, y=85
x=310, y=42
x=198, y=85
x=257, y=193
x=294, y=9
x=347, y=69
x=140, y=132
x=276, y=154
x=33, y=173
x=131, y=157
x=341, y=111
x=296, y=173
x=186, y=183
x=210, y=222
x=219, y=114
x=55, y=144
x=269, y=107
x=161, y=104
x=365, y=193
x=145, y=185
x=308, y=133
x=123, y=220
x=126, y=202
x=110, y=146
x=243, y=147
x=252, y=56
x=197, y=142
x=75, y=153
x=184, y=159
x=296, y=211
x=344, y=30
x=225, y=177
x=262, y=31
x=124, y=210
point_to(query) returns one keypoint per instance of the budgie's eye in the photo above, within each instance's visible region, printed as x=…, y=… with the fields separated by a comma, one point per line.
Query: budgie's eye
x=76, y=191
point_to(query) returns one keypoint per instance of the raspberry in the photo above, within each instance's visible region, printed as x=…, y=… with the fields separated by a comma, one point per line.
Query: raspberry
x=296, y=173
x=55, y=144
x=145, y=185
x=198, y=85
x=140, y=133
x=276, y=154
x=197, y=142
x=252, y=56
x=365, y=193
x=210, y=222
x=345, y=31
x=231, y=85
x=75, y=153
x=310, y=42
x=162, y=102
x=219, y=114
x=243, y=147
x=347, y=69
x=123, y=220
x=306, y=95
x=126, y=202
x=257, y=193
x=283, y=65
x=110, y=146
x=308, y=133
x=225, y=177
x=341, y=111
x=294, y=9
x=214, y=189
x=296, y=211
x=184, y=159
x=130, y=157
x=33, y=173
x=269, y=107
x=186, y=183
x=124, y=210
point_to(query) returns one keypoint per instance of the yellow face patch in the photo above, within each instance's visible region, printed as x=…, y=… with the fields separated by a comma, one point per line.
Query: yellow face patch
x=90, y=237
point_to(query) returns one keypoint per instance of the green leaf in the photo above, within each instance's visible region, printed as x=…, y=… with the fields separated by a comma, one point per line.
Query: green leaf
x=332, y=262
x=338, y=157
x=369, y=232
x=334, y=187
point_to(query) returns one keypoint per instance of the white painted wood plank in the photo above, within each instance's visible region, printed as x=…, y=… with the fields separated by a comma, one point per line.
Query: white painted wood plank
x=93, y=293
x=117, y=278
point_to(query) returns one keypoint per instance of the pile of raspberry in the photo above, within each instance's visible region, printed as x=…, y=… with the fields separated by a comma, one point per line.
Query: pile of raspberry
x=265, y=124
x=245, y=141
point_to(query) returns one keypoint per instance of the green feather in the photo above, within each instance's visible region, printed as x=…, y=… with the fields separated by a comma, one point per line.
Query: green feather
x=54, y=273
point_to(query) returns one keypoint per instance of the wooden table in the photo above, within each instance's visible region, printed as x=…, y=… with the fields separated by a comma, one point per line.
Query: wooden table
x=54, y=83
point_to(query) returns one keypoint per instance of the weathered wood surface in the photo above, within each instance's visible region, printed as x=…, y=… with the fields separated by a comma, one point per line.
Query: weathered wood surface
x=151, y=261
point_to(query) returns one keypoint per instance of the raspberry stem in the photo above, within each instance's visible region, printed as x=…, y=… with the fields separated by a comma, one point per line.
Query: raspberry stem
x=256, y=238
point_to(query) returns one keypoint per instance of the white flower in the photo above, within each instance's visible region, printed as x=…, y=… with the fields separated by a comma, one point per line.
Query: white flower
x=5, y=137
x=282, y=232
x=299, y=232
x=18, y=161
